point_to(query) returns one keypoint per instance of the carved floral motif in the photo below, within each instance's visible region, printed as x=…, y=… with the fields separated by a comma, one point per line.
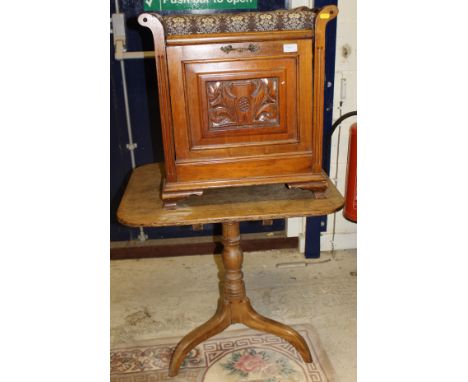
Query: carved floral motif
x=243, y=103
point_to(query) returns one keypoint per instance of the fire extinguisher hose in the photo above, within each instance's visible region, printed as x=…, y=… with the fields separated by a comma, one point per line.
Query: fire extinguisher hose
x=341, y=119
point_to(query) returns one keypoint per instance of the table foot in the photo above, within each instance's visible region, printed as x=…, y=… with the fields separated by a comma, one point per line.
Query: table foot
x=213, y=326
x=256, y=321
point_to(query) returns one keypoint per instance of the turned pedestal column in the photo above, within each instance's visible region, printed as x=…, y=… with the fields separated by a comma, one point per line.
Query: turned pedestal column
x=234, y=307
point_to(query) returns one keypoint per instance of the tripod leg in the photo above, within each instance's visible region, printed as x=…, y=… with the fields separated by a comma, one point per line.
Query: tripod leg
x=213, y=326
x=256, y=321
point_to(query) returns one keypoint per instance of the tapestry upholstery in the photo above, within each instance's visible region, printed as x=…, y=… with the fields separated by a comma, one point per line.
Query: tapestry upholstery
x=280, y=20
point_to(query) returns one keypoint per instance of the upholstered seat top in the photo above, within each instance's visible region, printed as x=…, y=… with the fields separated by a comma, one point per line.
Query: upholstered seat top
x=280, y=20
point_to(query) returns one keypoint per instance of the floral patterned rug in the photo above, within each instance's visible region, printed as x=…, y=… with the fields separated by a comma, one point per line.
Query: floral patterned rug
x=232, y=356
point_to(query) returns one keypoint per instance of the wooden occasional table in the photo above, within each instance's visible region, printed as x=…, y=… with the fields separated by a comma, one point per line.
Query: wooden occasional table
x=141, y=206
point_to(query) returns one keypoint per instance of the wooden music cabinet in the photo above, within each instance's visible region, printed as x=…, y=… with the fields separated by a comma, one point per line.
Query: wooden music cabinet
x=241, y=98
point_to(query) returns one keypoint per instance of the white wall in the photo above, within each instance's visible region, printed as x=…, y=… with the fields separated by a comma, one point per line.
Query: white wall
x=345, y=67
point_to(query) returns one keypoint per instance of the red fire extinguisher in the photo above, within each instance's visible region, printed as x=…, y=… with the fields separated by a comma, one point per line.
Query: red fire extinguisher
x=350, y=207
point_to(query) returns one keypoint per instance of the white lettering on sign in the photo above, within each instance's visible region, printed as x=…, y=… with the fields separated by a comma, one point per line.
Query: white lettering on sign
x=237, y=1
x=234, y=2
x=189, y=2
x=288, y=48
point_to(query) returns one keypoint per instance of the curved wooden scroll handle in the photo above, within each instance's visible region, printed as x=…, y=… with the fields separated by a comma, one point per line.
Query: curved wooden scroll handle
x=325, y=15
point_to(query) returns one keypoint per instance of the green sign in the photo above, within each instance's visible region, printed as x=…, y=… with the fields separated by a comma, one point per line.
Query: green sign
x=171, y=5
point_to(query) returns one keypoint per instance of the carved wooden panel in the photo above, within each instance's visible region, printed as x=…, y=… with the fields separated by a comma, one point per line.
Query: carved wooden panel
x=242, y=103
x=214, y=120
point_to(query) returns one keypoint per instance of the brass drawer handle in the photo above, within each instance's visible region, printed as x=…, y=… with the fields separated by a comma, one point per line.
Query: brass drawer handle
x=228, y=48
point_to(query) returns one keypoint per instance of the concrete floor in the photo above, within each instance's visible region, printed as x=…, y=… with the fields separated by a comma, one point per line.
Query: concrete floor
x=168, y=297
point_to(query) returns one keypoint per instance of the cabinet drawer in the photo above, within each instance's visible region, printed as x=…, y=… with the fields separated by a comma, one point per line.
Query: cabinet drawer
x=247, y=49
